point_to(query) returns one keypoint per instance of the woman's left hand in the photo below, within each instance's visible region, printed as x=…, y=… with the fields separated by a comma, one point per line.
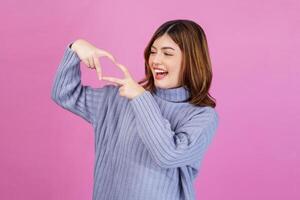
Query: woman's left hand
x=129, y=87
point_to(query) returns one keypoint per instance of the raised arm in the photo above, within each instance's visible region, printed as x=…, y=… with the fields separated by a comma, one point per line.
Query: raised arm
x=69, y=93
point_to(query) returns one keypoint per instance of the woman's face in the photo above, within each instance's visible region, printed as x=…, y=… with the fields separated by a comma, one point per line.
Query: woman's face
x=166, y=55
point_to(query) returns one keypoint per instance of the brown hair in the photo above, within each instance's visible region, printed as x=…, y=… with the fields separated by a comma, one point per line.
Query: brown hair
x=196, y=72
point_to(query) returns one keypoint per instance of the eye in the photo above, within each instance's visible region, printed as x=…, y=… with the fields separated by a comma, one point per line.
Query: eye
x=151, y=52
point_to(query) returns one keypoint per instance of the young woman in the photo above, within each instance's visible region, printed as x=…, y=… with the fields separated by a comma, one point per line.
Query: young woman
x=150, y=136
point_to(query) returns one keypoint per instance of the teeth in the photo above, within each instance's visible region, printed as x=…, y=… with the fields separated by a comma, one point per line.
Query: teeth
x=158, y=70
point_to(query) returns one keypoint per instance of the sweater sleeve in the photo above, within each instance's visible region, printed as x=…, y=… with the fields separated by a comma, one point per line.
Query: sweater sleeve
x=69, y=93
x=168, y=148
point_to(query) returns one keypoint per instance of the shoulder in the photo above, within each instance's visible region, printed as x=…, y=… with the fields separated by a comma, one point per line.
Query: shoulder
x=205, y=114
x=200, y=121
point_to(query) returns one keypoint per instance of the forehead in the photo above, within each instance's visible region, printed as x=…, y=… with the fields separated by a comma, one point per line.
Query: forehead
x=165, y=41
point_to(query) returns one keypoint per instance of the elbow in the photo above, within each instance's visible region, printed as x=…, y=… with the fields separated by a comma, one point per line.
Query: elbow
x=166, y=163
x=179, y=158
x=54, y=96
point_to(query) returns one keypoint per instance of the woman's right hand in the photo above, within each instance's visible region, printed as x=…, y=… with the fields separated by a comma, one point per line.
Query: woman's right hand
x=89, y=54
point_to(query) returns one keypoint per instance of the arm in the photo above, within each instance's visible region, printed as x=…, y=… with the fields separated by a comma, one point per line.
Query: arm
x=69, y=93
x=168, y=148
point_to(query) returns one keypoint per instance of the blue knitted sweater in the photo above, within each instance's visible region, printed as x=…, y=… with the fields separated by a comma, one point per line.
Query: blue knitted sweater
x=146, y=148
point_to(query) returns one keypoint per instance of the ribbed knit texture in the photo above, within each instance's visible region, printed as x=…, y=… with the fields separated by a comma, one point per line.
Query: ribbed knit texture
x=146, y=148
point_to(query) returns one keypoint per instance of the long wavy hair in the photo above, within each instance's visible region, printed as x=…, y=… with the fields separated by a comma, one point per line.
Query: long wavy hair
x=196, y=72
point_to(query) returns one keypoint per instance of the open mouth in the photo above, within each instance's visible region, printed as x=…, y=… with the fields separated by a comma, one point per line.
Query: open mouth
x=160, y=74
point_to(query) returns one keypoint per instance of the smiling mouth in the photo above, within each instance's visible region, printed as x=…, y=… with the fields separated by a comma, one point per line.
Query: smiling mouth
x=160, y=71
x=160, y=75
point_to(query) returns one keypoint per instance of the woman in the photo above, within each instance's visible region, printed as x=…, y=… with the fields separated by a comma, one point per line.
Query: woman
x=150, y=136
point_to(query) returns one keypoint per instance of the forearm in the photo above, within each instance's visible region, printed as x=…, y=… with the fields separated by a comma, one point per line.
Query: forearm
x=169, y=148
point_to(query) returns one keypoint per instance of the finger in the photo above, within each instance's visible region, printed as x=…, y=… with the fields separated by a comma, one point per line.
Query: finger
x=98, y=67
x=91, y=61
x=114, y=80
x=86, y=63
x=107, y=54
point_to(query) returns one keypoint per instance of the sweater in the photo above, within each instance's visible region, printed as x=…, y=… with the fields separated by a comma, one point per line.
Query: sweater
x=146, y=148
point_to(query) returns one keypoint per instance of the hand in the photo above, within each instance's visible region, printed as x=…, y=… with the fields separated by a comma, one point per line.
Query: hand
x=89, y=54
x=129, y=87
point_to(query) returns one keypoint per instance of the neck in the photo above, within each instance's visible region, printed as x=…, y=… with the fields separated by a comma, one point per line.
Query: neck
x=177, y=94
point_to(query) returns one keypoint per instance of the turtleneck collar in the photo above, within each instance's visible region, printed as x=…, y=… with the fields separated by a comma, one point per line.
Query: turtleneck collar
x=178, y=94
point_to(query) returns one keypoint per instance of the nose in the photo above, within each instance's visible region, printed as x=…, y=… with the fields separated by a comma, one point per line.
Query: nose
x=156, y=59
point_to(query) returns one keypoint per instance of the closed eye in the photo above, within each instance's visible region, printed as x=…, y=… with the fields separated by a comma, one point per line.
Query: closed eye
x=151, y=52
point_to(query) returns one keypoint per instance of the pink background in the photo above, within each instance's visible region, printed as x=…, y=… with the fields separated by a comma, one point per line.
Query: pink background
x=48, y=153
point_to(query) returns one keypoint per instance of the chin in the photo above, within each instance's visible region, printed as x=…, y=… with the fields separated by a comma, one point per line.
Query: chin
x=164, y=86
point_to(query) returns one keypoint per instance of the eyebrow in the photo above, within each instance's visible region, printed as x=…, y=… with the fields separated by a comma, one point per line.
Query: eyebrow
x=164, y=48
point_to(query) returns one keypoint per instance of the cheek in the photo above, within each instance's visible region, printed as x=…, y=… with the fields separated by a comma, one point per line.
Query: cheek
x=174, y=68
x=149, y=61
x=175, y=73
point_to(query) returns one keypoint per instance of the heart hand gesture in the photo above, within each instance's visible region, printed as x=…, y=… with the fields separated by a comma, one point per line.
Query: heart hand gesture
x=89, y=54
